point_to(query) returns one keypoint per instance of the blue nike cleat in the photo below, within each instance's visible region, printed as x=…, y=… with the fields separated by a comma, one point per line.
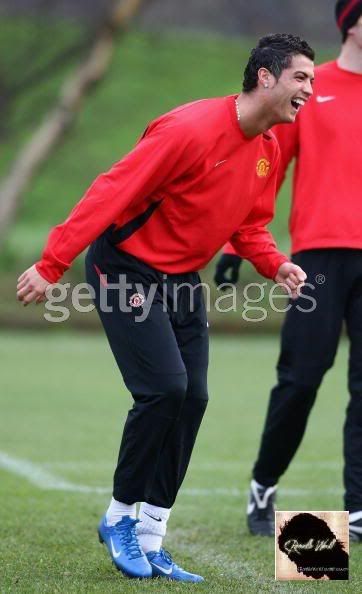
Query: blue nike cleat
x=163, y=566
x=122, y=543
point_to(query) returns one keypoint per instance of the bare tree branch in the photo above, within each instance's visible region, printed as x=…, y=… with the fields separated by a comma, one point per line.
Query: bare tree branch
x=36, y=47
x=37, y=150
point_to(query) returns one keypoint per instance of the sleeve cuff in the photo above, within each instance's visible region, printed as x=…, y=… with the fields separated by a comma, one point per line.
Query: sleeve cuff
x=274, y=267
x=51, y=271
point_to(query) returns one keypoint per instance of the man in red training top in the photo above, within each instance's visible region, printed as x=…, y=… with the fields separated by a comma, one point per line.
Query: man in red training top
x=326, y=233
x=200, y=175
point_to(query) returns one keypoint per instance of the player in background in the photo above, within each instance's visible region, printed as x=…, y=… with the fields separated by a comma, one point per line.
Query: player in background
x=200, y=175
x=326, y=234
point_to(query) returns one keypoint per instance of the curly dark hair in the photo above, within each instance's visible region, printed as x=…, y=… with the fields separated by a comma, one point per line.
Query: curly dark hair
x=274, y=52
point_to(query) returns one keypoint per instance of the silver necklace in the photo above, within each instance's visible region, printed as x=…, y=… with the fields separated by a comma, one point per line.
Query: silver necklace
x=237, y=110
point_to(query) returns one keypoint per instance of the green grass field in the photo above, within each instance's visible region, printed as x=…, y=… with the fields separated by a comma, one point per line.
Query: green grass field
x=62, y=410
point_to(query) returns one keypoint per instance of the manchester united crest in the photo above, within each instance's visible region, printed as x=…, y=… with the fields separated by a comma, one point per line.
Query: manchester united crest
x=136, y=300
x=262, y=167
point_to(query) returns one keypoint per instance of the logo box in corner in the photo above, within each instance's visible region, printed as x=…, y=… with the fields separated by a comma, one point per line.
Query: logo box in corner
x=311, y=545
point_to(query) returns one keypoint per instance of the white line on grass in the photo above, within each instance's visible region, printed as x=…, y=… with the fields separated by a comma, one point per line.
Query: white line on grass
x=43, y=479
x=233, y=492
x=217, y=465
x=233, y=465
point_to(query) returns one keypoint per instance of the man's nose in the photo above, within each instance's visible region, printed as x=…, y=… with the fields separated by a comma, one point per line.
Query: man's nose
x=308, y=88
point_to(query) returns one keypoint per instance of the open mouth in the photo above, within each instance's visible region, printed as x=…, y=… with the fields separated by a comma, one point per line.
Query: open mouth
x=297, y=103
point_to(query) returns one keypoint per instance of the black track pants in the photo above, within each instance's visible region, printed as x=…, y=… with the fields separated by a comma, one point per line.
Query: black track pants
x=308, y=346
x=161, y=348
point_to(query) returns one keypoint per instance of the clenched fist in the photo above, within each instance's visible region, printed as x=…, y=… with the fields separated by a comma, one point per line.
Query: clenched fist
x=31, y=286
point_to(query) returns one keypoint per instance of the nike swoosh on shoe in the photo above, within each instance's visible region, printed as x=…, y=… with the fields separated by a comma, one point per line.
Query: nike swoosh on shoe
x=165, y=571
x=115, y=553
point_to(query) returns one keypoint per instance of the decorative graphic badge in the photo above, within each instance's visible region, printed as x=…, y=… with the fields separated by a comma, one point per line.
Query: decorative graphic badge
x=311, y=545
x=262, y=167
x=136, y=300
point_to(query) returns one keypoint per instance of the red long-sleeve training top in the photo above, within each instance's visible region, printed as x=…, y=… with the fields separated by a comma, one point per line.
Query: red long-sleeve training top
x=327, y=143
x=192, y=182
x=326, y=140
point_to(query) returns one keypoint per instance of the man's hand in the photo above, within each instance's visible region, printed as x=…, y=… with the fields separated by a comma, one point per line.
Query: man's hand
x=227, y=263
x=292, y=276
x=31, y=286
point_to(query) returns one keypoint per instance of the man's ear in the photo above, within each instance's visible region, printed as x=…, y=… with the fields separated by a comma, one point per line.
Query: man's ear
x=264, y=77
x=353, y=29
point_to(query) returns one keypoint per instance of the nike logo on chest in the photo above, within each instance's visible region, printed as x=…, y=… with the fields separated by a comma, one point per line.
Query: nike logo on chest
x=324, y=99
x=220, y=163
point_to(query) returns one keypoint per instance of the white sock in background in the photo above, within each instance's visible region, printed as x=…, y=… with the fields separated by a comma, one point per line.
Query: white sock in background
x=117, y=509
x=152, y=526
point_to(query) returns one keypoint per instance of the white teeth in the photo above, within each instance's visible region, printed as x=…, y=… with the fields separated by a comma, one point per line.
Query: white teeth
x=299, y=101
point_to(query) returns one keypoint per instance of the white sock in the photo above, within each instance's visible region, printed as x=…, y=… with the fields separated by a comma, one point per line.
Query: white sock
x=152, y=526
x=117, y=510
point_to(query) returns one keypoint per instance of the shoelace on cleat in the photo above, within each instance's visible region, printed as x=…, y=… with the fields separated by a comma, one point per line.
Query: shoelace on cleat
x=128, y=538
x=166, y=556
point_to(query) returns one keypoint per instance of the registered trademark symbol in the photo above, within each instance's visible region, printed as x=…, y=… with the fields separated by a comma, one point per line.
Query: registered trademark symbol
x=320, y=279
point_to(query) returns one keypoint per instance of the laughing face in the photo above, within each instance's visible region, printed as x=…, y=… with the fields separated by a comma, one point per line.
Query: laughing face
x=287, y=95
